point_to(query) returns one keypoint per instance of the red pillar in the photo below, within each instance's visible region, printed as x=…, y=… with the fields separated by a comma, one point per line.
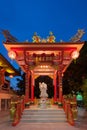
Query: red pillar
x=27, y=84
x=55, y=89
x=32, y=86
x=2, y=77
x=60, y=85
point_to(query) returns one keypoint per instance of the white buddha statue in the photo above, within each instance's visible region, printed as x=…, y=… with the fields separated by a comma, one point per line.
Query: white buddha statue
x=43, y=90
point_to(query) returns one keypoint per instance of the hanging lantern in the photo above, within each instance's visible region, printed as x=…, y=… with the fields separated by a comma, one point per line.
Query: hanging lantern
x=75, y=55
x=11, y=76
x=12, y=55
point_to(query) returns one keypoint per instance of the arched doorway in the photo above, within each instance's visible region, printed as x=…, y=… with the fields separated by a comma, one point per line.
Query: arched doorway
x=49, y=81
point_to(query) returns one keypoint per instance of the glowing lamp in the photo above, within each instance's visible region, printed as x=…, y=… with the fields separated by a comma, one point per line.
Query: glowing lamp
x=11, y=76
x=12, y=55
x=75, y=55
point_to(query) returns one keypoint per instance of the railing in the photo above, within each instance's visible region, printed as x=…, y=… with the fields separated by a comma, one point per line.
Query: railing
x=17, y=107
x=70, y=108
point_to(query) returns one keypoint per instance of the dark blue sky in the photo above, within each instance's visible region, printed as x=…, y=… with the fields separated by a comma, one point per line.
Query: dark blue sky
x=24, y=17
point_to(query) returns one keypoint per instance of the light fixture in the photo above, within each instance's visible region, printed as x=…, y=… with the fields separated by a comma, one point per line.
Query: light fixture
x=75, y=55
x=11, y=76
x=12, y=55
x=44, y=66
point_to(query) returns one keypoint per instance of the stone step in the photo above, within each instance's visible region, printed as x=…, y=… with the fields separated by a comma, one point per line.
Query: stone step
x=35, y=113
x=43, y=121
x=43, y=116
x=43, y=111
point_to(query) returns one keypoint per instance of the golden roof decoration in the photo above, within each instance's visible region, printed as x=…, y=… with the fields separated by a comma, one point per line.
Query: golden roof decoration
x=50, y=39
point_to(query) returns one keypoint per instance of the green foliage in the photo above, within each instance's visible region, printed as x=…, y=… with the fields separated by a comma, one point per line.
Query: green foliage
x=73, y=76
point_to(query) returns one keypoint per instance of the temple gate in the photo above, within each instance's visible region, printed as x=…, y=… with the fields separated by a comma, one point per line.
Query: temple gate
x=43, y=58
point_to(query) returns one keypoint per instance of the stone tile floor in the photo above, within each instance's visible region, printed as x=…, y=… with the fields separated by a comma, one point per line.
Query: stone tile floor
x=82, y=118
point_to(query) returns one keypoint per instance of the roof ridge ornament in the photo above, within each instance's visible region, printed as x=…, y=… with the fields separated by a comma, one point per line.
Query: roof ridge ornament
x=50, y=39
x=36, y=38
x=77, y=37
x=8, y=36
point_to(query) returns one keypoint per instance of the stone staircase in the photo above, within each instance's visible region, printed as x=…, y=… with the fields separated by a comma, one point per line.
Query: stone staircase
x=43, y=116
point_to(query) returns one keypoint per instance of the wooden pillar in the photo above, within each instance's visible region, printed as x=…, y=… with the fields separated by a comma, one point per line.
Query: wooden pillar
x=60, y=85
x=32, y=86
x=27, y=84
x=6, y=100
x=2, y=78
x=55, y=88
x=0, y=104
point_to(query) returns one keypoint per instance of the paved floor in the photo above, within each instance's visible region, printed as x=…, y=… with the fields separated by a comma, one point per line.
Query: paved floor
x=81, y=124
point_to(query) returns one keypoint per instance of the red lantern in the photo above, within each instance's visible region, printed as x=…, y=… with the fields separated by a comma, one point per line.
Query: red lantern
x=12, y=55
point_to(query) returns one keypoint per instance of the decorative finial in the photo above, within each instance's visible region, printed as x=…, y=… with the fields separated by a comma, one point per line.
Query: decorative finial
x=51, y=33
x=36, y=39
x=61, y=40
x=35, y=33
x=51, y=38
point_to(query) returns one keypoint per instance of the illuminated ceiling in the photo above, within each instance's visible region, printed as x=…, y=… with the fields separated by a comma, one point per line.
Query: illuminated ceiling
x=7, y=66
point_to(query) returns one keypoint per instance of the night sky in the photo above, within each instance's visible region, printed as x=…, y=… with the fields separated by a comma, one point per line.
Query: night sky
x=24, y=17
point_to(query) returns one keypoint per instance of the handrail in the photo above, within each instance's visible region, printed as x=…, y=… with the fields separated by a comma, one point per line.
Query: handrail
x=16, y=110
x=70, y=108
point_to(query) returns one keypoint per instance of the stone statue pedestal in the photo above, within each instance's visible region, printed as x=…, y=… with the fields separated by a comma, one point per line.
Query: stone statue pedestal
x=43, y=103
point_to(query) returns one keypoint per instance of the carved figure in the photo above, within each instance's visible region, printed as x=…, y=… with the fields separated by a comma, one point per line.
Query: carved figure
x=36, y=39
x=51, y=38
x=43, y=90
x=78, y=36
